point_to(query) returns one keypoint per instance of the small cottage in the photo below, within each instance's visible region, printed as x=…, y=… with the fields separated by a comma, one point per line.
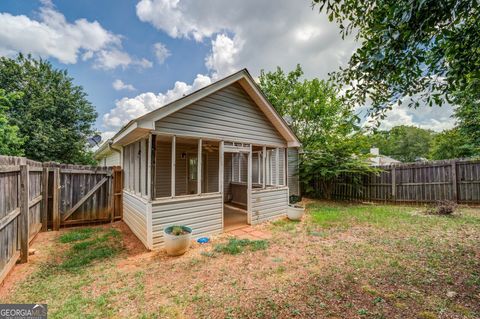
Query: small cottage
x=216, y=159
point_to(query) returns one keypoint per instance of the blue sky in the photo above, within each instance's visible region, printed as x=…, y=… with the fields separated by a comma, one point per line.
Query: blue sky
x=134, y=56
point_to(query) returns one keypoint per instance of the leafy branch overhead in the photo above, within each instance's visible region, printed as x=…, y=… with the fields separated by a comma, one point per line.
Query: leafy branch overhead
x=418, y=51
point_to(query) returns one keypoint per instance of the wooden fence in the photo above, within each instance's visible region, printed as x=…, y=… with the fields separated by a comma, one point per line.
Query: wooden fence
x=38, y=196
x=424, y=182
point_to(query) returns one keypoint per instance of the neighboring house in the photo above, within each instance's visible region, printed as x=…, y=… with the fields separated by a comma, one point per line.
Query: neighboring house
x=213, y=160
x=378, y=159
x=106, y=155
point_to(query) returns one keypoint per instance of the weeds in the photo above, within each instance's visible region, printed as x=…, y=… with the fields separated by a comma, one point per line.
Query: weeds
x=83, y=253
x=236, y=246
x=76, y=235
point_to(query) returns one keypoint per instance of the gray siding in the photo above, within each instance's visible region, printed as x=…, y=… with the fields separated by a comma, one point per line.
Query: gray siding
x=135, y=215
x=269, y=204
x=293, y=179
x=203, y=214
x=228, y=114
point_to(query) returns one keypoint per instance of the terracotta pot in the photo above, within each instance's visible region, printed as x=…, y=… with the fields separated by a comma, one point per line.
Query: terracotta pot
x=295, y=212
x=177, y=244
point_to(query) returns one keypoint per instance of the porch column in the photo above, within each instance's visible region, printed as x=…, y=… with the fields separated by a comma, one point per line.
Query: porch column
x=174, y=144
x=264, y=166
x=277, y=166
x=199, y=167
x=153, y=165
x=221, y=164
x=249, y=186
x=285, y=169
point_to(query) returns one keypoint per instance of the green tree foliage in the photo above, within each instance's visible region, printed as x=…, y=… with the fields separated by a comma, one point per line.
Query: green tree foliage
x=452, y=144
x=419, y=50
x=328, y=129
x=53, y=115
x=10, y=141
x=468, y=113
x=404, y=143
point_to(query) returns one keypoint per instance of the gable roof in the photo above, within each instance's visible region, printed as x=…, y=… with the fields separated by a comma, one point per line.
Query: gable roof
x=146, y=123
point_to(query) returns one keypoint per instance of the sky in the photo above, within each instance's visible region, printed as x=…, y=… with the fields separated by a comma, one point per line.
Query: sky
x=133, y=56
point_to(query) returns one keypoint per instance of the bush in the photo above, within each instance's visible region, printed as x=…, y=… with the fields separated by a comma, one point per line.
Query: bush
x=443, y=207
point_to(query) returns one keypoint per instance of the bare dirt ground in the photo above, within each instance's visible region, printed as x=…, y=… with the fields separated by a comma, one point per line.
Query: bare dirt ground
x=341, y=261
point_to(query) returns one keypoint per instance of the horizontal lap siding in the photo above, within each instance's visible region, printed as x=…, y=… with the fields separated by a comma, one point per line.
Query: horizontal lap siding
x=112, y=159
x=229, y=114
x=135, y=215
x=267, y=205
x=202, y=214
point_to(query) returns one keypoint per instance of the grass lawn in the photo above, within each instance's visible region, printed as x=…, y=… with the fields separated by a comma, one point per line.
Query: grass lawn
x=341, y=261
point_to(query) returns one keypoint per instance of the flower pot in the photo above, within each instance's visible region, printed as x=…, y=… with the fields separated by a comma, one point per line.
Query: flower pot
x=295, y=212
x=177, y=244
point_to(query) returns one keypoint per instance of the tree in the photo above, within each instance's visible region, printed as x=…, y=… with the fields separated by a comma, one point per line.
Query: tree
x=452, y=144
x=468, y=113
x=411, y=51
x=53, y=115
x=10, y=142
x=404, y=143
x=328, y=129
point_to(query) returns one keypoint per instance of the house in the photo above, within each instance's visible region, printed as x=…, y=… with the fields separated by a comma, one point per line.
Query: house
x=377, y=159
x=216, y=159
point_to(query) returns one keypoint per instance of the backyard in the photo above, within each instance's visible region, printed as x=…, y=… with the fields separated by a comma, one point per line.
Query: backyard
x=341, y=261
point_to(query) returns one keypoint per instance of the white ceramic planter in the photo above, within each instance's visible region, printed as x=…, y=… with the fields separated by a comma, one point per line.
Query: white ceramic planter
x=177, y=245
x=295, y=212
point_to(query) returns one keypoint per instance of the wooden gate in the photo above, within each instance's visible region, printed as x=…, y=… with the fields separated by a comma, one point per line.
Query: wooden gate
x=83, y=194
x=36, y=196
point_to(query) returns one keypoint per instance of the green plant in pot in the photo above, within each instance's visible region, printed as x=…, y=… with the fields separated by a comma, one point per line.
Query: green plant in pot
x=295, y=211
x=177, y=239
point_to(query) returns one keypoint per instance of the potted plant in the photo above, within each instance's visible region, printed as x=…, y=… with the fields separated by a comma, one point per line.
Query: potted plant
x=295, y=211
x=177, y=239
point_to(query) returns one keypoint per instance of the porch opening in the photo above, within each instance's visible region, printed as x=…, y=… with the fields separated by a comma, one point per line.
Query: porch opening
x=235, y=191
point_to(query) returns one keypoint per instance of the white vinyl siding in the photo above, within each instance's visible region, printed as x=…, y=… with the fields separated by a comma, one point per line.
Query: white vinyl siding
x=228, y=114
x=202, y=213
x=112, y=159
x=269, y=204
x=135, y=215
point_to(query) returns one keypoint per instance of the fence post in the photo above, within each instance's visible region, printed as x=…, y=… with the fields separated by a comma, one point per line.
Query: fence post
x=394, y=184
x=454, y=182
x=55, y=199
x=23, y=221
x=44, y=216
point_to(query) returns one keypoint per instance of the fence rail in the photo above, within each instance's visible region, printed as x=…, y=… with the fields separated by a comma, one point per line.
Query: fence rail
x=37, y=196
x=425, y=182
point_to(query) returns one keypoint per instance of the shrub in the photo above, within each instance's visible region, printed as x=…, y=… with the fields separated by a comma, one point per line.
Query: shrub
x=443, y=207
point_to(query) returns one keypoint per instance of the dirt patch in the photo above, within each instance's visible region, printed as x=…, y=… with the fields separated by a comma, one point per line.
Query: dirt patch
x=354, y=262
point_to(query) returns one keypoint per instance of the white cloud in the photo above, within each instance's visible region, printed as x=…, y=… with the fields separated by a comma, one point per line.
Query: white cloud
x=161, y=52
x=434, y=118
x=143, y=63
x=221, y=60
x=253, y=34
x=127, y=109
x=53, y=36
x=119, y=85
